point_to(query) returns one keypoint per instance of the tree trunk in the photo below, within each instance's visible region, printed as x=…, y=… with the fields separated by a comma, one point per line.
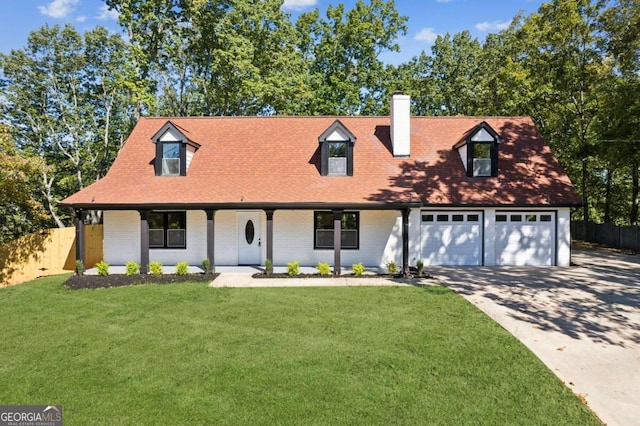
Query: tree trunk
x=634, y=194
x=607, y=196
x=585, y=199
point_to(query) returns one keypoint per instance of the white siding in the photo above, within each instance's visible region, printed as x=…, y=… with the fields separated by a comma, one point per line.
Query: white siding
x=121, y=237
x=380, y=239
x=226, y=247
x=462, y=151
x=564, y=237
x=189, y=156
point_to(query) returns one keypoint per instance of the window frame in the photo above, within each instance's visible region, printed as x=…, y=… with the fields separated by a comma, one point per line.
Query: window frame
x=489, y=137
x=332, y=247
x=165, y=228
x=329, y=137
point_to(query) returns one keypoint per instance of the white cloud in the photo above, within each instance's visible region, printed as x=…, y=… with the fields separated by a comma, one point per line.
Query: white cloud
x=81, y=18
x=426, y=34
x=106, y=14
x=298, y=4
x=493, y=26
x=58, y=8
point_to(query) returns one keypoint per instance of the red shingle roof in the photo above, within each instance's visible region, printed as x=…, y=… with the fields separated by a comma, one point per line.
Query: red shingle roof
x=276, y=160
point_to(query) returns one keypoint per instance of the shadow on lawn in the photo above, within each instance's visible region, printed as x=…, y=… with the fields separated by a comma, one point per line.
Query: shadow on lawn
x=599, y=301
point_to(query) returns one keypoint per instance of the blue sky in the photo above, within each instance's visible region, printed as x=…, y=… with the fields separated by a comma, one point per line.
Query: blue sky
x=427, y=18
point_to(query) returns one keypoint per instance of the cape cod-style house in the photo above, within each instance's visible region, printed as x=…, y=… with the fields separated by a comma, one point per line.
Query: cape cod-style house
x=341, y=190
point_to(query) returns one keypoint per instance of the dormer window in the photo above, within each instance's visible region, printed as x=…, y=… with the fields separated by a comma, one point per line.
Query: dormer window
x=170, y=159
x=174, y=151
x=479, y=151
x=336, y=150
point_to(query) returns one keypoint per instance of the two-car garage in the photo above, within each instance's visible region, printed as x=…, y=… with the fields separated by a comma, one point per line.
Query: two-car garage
x=473, y=238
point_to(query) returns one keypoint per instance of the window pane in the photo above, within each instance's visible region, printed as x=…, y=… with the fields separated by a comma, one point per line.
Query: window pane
x=350, y=221
x=501, y=218
x=545, y=218
x=324, y=238
x=349, y=239
x=427, y=218
x=170, y=150
x=175, y=221
x=482, y=166
x=170, y=166
x=482, y=150
x=156, y=237
x=324, y=220
x=155, y=220
x=473, y=218
x=337, y=149
x=443, y=218
x=531, y=218
x=175, y=238
x=457, y=218
x=338, y=166
x=516, y=218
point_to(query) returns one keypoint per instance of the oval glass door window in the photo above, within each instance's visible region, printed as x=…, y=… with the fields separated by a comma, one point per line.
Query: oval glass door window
x=249, y=232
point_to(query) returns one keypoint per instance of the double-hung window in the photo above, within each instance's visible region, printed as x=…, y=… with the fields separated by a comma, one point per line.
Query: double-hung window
x=171, y=158
x=481, y=159
x=337, y=158
x=324, y=230
x=167, y=229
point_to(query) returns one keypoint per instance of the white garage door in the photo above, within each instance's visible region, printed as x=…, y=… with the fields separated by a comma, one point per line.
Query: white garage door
x=525, y=238
x=451, y=238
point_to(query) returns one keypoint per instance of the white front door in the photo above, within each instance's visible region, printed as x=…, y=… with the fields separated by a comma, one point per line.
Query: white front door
x=249, y=240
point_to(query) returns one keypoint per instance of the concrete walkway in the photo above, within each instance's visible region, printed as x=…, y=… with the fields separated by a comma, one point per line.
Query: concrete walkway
x=583, y=322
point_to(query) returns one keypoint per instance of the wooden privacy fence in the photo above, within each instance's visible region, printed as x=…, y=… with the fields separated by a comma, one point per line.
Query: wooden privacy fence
x=47, y=252
x=622, y=237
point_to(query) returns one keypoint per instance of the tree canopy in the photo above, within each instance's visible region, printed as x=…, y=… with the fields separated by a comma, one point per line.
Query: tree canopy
x=70, y=99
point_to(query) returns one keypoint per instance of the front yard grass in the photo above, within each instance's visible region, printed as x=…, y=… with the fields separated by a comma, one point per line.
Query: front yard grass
x=188, y=354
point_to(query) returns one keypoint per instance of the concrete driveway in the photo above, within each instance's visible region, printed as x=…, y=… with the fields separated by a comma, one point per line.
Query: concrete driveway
x=583, y=322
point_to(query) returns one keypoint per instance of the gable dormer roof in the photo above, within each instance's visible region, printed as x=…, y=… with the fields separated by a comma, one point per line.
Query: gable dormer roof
x=483, y=132
x=337, y=132
x=169, y=132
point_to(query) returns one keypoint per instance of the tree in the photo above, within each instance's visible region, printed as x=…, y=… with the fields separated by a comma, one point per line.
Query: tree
x=342, y=52
x=67, y=101
x=20, y=211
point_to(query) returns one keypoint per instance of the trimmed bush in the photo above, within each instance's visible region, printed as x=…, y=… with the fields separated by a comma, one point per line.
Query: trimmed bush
x=323, y=268
x=293, y=268
x=206, y=266
x=79, y=267
x=155, y=268
x=268, y=267
x=420, y=266
x=132, y=268
x=103, y=268
x=392, y=267
x=358, y=269
x=182, y=268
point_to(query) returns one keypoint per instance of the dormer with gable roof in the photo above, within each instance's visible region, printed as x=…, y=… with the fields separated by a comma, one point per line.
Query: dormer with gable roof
x=174, y=151
x=479, y=151
x=336, y=150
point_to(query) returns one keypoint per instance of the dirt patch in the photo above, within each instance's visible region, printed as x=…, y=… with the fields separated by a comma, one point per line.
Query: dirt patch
x=388, y=276
x=93, y=281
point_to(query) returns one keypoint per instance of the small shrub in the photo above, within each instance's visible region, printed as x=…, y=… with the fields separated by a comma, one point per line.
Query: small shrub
x=268, y=267
x=392, y=267
x=323, y=268
x=79, y=267
x=358, y=269
x=155, y=268
x=420, y=266
x=293, y=268
x=206, y=266
x=182, y=268
x=103, y=268
x=132, y=268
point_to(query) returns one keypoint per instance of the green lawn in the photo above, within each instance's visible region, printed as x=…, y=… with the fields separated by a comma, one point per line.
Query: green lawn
x=189, y=354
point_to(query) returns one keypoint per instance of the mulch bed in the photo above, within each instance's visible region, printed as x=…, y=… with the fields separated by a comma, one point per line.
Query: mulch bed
x=389, y=276
x=77, y=282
